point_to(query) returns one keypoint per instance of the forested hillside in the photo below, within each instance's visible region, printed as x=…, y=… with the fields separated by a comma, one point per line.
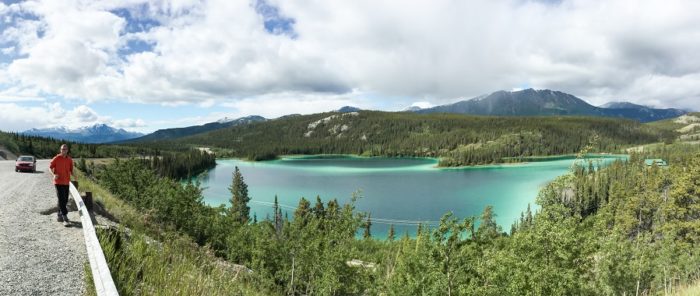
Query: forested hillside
x=530, y=102
x=48, y=147
x=626, y=229
x=173, y=133
x=457, y=139
x=687, y=126
x=174, y=162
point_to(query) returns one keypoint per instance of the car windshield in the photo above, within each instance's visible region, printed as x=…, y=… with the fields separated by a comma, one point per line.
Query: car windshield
x=26, y=158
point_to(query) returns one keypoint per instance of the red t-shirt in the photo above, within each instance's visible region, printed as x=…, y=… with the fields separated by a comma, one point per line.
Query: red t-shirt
x=63, y=166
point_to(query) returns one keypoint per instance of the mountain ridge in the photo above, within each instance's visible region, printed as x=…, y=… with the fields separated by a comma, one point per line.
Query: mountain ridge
x=178, y=132
x=545, y=102
x=97, y=133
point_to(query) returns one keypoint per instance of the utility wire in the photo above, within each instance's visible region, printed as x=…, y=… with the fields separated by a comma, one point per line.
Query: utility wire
x=374, y=219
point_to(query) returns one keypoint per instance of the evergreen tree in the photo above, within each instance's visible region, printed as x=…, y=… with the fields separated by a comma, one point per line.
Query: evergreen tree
x=488, y=229
x=239, y=210
x=332, y=209
x=319, y=210
x=368, y=225
x=301, y=214
x=278, y=217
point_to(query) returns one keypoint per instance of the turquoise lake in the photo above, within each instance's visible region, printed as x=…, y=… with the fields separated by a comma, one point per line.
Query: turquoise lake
x=399, y=191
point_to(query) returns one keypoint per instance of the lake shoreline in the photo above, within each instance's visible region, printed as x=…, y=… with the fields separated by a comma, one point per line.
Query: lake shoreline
x=394, y=190
x=526, y=160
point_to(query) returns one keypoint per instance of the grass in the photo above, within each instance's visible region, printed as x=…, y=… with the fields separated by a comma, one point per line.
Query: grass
x=89, y=282
x=174, y=265
x=688, y=290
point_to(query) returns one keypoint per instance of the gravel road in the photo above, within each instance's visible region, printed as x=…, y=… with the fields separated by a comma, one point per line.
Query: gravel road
x=38, y=256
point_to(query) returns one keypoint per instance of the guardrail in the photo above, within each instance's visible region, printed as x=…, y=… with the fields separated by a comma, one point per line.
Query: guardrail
x=104, y=285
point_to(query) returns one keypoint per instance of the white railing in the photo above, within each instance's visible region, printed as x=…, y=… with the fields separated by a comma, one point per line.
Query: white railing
x=104, y=285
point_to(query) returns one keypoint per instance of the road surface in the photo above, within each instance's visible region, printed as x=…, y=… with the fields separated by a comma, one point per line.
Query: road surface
x=38, y=256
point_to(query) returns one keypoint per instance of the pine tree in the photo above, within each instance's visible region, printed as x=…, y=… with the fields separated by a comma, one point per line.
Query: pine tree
x=319, y=210
x=332, y=209
x=278, y=218
x=239, y=211
x=488, y=229
x=302, y=212
x=368, y=225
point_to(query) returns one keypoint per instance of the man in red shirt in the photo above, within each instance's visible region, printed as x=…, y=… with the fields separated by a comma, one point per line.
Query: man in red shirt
x=61, y=167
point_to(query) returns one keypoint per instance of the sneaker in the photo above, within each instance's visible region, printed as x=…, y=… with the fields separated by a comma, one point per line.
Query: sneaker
x=66, y=222
x=59, y=218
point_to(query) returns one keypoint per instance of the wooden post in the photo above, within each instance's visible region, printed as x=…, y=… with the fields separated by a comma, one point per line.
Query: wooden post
x=87, y=199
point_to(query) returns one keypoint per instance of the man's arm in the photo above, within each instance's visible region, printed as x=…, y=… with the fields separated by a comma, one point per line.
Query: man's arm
x=52, y=168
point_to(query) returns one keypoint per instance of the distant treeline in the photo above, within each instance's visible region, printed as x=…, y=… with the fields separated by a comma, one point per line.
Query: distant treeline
x=42, y=147
x=457, y=139
x=177, y=162
x=627, y=229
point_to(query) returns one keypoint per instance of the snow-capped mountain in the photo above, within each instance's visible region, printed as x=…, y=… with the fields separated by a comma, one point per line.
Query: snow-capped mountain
x=98, y=133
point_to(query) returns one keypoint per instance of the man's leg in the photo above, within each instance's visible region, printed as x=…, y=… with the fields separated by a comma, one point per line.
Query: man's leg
x=62, y=191
x=59, y=214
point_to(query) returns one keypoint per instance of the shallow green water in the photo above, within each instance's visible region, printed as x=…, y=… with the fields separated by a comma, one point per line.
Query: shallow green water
x=399, y=191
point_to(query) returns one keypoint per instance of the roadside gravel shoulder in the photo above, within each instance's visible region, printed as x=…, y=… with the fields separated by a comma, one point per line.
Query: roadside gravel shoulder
x=38, y=256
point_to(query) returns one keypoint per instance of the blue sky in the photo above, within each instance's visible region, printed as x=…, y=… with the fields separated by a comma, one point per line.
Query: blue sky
x=144, y=65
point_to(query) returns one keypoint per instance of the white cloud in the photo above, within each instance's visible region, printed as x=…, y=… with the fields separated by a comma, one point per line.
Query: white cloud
x=18, y=117
x=207, y=52
x=128, y=123
x=18, y=94
x=7, y=50
x=84, y=114
x=422, y=104
x=279, y=104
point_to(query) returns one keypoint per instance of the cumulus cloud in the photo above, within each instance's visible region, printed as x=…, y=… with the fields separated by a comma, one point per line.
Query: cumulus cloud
x=129, y=123
x=279, y=104
x=422, y=104
x=19, y=94
x=19, y=117
x=244, y=53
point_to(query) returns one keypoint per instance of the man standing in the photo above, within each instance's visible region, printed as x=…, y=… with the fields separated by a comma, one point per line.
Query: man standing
x=62, y=168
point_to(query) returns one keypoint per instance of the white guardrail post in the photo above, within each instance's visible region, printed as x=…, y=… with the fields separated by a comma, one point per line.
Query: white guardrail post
x=104, y=285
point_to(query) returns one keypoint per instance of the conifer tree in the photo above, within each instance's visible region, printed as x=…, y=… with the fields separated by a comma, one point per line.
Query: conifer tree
x=302, y=212
x=332, y=209
x=488, y=229
x=319, y=210
x=368, y=225
x=239, y=211
x=278, y=217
